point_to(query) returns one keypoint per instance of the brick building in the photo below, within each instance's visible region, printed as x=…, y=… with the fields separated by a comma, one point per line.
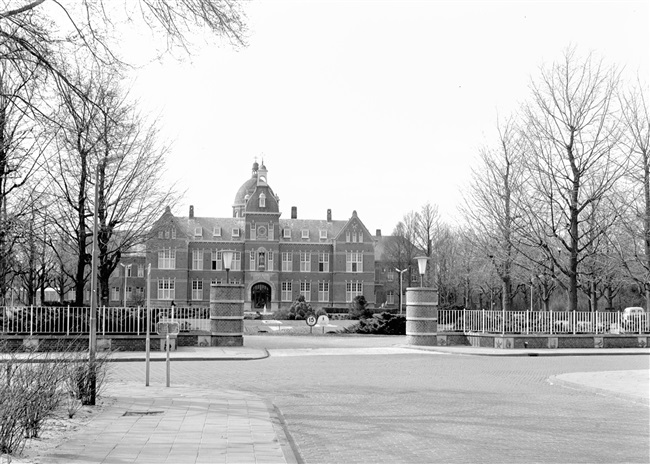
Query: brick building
x=328, y=261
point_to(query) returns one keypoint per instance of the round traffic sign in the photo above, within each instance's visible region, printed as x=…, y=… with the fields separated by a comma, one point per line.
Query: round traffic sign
x=311, y=320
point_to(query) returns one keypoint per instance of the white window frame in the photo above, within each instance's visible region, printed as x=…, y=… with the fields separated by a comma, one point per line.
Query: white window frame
x=322, y=234
x=197, y=260
x=115, y=293
x=270, y=232
x=352, y=289
x=287, y=261
x=235, y=232
x=166, y=288
x=323, y=262
x=140, y=270
x=216, y=231
x=347, y=236
x=198, y=231
x=286, y=291
x=173, y=233
x=305, y=261
x=236, y=261
x=304, y=233
x=197, y=289
x=354, y=261
x=390, y=297
x=286, y=233
x=323, y=291
x=167, y=258
x=252, y=260
x=216, y=260
x=305, y=290
x=262, y=202
x=269, y=260
x=390, y=276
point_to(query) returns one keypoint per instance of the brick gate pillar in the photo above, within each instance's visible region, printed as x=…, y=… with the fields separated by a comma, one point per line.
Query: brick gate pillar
x=421, y=316
x=226, y=315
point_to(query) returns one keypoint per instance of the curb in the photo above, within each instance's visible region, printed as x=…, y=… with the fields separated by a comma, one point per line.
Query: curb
x=554, y=380
x=519, y=353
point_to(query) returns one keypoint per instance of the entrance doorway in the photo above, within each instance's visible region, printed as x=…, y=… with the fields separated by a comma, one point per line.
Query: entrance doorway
x=261, y=296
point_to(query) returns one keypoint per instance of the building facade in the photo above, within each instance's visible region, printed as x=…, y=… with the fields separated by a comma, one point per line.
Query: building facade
x=327, y=261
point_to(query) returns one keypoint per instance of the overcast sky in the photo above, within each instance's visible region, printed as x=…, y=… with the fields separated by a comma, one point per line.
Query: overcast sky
x=373, y=106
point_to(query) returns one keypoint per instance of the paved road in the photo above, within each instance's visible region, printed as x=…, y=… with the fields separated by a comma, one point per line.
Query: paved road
x=422, y=407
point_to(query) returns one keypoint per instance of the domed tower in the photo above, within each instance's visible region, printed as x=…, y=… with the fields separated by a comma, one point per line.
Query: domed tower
x=244, y=193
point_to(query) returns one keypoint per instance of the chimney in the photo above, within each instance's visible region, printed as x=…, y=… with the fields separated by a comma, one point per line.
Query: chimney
x=191, y=211
x=378, y=234
x=294, y=212
x=329, y=215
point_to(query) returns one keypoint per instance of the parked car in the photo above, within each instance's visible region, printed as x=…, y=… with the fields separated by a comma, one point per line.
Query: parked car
x=634, y=319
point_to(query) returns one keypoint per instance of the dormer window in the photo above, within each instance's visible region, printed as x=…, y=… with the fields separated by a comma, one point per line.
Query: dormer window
x=305, y=233
x=235, y=232
x=198, y=231
x=216, y=231
x=323, y=234
x=262, y=200
x=286, y=233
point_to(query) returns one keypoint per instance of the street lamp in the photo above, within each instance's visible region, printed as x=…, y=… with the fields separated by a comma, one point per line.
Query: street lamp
x=422, y=267
x=400, y=288
x=125, y=281
x=227, y=262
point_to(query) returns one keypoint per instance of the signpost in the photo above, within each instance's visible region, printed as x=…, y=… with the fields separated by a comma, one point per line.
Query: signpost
x=168, y=328
x=311, y=322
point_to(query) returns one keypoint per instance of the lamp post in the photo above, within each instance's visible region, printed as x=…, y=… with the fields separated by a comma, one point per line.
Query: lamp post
x=173, y=309
x=92, y=331
x=227, y=262
x=125, y=281
x=422, y=267
x=400, y=288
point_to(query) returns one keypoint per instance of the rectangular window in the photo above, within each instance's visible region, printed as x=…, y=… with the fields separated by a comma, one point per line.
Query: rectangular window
x=414, y=277
x=305, y=290
x=305, y=233
x=235, y=232
x=161, y=234
x=322, y=234
x=390, y=276
x=166, y=289
x=323, y=262
x=253, y=233
x=217, y=263
x=252, y=260
x=198, y=232
x=129, y=293
x=127, y=270
x=305, y=261
x=197, y=260
x=139, y=292
x=197, y=289
x=115, y=293
x=354, y=237
x=390, y=298
x=261, y=260
x=167, y=259
x=215, y=282
x=286, y=233
x=347, y=236
x=236, y=261
x=140, y=270
x=286, y=291
x=353, y=289
x=323, y=291
x=354, y=261
x=216, y=231
x=270, y=257
x=360, y=237
x=173, y=233
x=271, y=232
x=287, y=261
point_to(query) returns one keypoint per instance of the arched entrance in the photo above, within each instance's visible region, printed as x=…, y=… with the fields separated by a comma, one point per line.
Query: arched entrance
x=261, y=296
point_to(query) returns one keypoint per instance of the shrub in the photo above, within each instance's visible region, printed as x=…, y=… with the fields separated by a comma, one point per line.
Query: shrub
x=359, y=308
x=380, y=324
x=300, y=308
x=282, y=315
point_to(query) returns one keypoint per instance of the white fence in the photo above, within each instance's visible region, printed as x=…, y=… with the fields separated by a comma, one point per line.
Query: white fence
x=541, y=322
x=71, y=320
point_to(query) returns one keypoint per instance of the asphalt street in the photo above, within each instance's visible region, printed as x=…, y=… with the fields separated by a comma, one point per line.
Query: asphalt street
x=422, y=407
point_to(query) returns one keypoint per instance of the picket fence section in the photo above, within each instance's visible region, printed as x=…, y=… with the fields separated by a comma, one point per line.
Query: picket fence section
x=541, y=322
x=70, y=320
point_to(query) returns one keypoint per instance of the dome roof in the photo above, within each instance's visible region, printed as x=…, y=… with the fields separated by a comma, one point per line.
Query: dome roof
x=247, y=188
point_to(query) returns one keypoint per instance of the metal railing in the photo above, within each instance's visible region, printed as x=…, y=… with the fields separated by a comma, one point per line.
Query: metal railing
x=70, y=320
x=541, y=322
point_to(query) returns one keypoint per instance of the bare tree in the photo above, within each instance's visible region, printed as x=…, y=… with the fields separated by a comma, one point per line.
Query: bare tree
x=635, y=254
x=491, y=205
x=572, y=134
